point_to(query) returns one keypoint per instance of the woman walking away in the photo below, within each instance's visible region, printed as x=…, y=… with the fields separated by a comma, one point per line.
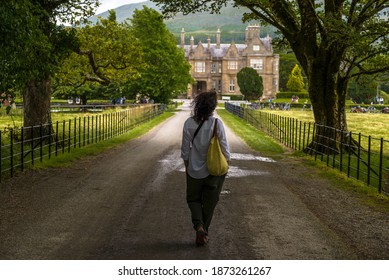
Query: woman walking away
x=202, y=189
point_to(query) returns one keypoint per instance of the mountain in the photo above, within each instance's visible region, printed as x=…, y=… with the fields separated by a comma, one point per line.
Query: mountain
x=199, y=25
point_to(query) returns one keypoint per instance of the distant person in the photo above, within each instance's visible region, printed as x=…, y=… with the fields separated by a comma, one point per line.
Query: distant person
x=202, y=189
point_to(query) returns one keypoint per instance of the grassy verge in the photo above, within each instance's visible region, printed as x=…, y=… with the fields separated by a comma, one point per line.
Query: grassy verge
x=254, y=138
x=67, y=159
x=376, y=125
x=368, y=194
x=258, y=141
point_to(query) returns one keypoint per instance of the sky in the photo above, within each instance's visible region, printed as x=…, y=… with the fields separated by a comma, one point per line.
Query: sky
x=112, y=4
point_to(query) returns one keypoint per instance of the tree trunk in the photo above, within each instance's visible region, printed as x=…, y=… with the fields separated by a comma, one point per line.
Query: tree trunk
x=36, y=106
x=327, y=93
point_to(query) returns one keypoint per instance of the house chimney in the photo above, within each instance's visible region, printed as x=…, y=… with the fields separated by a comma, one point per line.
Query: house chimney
x=218, y=38
x=252, y=31
x=182, y=38
x=209, y=43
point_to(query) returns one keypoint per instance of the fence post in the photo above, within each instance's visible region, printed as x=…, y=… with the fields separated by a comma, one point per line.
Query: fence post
x=329, y=146
x=341, y=152
x=359, y=155
x=93, y=126
x=69, y=137
x=63, y=136
x=368, y=160
x=32, y=145
x=87, y=141
x=75, y=133
x=381, y=162
x=305, y=124
x=333, y=157
x=84, y=131
x=299, y=140
x=309, y=133
x=50, y=135
x=1, y=155
x=21, y=149
x=349, y=154
x=79, y=132
x=12, y=151
x=41, y=143
x=56, y=138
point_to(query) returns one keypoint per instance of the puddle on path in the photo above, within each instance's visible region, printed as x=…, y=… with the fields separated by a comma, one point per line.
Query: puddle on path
x=238, y=156
x=172, y=162
x=237, y=172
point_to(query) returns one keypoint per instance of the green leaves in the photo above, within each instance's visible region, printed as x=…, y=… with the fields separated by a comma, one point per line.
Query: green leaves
x=167, y=71
x=108, y=53
x=250, y=83
x=296, y=81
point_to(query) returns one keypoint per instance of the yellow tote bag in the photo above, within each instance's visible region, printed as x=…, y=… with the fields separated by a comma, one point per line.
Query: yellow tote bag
x=216, y=162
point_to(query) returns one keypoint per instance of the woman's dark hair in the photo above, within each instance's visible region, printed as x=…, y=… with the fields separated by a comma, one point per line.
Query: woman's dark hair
x=204, y=105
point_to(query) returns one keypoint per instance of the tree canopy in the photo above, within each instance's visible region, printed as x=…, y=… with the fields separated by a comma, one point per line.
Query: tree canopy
x=32, y=41
x=296, y=81
x=32, y=46
x=167, y=72
x=108, y=54
x=333, y=41
x=250, y=83
x=287, y=62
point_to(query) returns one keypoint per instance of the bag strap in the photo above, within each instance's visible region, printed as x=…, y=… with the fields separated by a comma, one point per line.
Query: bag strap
x=197, y=130
x=215, y=128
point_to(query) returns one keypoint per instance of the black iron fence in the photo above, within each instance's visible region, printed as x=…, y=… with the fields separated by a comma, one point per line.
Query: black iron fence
x=22, y=147
x=362, y=157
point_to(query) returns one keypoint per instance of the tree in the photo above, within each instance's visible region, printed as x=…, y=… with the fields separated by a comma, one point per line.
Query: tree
x=250, y=83
x=19, y=36
x=363, y=90
x=34, y=45
x=296, y=81
x=287, y=62
x=108, y=54
x=333, y=41
x=167, y=72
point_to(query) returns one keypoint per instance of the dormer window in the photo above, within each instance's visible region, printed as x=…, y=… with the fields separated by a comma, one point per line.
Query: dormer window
x=256, y=47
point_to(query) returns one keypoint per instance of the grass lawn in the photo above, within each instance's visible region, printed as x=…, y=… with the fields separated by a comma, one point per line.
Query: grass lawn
x=375, y=125
x=15, y=118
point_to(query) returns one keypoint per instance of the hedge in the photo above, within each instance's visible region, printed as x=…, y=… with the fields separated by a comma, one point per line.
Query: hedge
x=289, y=94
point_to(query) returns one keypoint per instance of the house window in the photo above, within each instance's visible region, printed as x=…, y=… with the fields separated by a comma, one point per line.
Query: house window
x=233, y=64
x=214, y=84
x=232, y=85
x=200, y=67
x=256, y=47
x=256, y=64
x=219, y=85
x=220, y=67
x=213, y=68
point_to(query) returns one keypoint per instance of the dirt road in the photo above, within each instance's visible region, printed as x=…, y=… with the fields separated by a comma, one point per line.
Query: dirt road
x=129, y=203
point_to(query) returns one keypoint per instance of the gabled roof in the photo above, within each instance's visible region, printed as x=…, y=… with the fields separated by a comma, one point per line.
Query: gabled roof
x=220, y=52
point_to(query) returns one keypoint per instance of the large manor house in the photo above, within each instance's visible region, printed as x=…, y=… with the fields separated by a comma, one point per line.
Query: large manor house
x=215, y=65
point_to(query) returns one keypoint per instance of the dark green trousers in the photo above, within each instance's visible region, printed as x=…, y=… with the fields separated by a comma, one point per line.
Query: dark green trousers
x=202, y=196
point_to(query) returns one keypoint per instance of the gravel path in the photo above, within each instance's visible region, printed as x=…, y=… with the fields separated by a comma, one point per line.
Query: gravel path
x=129, y=203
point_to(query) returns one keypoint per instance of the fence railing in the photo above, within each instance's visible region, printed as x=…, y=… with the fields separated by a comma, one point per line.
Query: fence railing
x=22, y=147
x=362, y=157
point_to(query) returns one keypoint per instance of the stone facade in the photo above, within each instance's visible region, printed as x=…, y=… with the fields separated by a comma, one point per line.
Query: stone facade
x=215, y=65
